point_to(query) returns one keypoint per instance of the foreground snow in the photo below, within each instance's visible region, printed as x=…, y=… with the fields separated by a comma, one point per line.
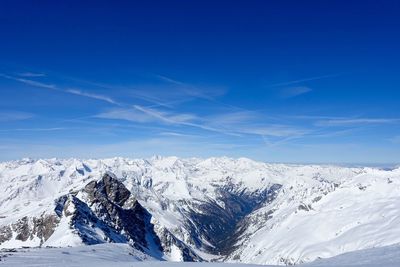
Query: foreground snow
x=87, y=256
x=96, y=255
x=124, y=255
x=376, y=257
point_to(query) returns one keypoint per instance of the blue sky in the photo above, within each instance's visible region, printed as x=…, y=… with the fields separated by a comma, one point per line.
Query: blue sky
x=291, y=81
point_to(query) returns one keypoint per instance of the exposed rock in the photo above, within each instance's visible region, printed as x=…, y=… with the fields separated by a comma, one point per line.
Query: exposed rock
x=168, y=240
x=28, y=228
x=5, y=233
x=316, y=199
x=304, y=207
x=107, y=208
x=108, y=188
x=44, y=226
x=22, y=228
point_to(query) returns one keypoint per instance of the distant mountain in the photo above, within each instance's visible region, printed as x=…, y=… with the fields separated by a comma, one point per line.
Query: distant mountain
x=216, y=209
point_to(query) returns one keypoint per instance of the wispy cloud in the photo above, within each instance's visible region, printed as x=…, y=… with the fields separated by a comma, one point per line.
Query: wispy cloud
x=175, y=134
x=274, y=130
x=160, y=97
x=30, y=82
x=233, y=118
x=357, y=121
x=142, y=114
x=142, y=93
x=295, y=91
x=31, y=74
x=174, y=118
x=169, y=80
x=250, y=122
x=274, y=143
x=320, y=133
x=57, y=88
x=183, y=119
x=93, y=96
x=304, y=80
x=145, y=115
x=193, y=90
x=312, y=117
x=132, y=115
x=232, y=124
x=33, y=129
x=6, y=116
x=326, y=121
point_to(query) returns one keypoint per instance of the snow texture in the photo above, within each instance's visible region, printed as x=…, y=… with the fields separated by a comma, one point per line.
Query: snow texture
x=124, y=255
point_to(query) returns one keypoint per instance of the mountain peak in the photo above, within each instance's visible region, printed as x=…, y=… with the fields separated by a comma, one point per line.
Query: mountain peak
x=108, y=187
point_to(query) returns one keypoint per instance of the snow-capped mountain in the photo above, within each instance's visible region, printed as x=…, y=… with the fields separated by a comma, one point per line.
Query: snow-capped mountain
x=234, y=210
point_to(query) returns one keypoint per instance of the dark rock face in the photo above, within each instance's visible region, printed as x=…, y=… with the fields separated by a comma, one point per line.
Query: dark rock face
x=107, y=209
x=106, y=199
x=22, y=228
x=304, y=207
x=44, y=226
x=107, y=205
x=109, y=188
x=84, y=221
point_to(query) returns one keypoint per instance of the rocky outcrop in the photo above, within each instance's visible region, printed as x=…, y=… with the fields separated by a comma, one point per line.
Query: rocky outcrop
x=5, y=233
x=44, y=226
x=168, y=240
x=29, y=228
x=107, y=206
x=108, y=189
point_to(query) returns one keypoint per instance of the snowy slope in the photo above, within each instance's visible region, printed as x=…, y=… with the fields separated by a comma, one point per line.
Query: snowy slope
x=313, y=219
x=124, y=255
x=376, y=257
x=96, y=255
x=236, y=210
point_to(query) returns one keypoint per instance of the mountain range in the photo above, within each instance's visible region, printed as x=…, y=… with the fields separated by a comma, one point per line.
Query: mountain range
x=215, y=209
